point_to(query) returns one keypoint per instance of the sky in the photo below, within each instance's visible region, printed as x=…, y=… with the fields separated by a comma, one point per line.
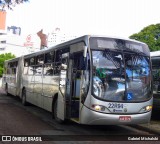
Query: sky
x=79, y=17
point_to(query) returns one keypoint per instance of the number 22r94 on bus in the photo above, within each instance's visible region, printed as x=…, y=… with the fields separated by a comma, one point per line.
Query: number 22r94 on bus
x=94, y=80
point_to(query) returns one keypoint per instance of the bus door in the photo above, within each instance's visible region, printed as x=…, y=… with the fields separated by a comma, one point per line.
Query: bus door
x=75, y=75
x=61, y=105
x=77, y=66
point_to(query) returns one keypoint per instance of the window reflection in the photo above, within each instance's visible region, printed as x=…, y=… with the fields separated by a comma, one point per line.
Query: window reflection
x=108, y=75
x=48, y=69
x=120, y=77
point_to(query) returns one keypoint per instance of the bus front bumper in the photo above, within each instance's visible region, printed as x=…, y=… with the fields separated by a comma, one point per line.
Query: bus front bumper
x=91, y=117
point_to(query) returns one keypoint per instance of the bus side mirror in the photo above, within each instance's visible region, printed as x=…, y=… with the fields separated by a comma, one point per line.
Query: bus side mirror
x=85, y=51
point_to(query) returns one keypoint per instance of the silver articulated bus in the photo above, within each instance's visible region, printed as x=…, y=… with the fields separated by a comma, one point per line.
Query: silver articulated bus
x=155, y=57
x=92, y=80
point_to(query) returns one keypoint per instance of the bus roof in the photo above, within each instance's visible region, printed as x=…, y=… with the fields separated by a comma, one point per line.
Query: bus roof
x=12, y=60
x=115, y=37
x=82, y=38
x=73, y=41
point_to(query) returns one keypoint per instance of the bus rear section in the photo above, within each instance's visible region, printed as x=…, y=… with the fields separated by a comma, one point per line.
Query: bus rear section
x=11, y=81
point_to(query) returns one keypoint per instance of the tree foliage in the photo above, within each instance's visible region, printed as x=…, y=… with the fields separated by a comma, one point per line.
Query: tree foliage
x=11, y=3
x=149, y=35
x=4, y=57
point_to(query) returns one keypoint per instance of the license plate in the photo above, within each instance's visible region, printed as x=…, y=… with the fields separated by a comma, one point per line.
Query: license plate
x=125, y=118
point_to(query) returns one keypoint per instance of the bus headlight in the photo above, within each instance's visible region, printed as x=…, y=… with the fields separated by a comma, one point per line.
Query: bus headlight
x=146, y=109
x=98, y=107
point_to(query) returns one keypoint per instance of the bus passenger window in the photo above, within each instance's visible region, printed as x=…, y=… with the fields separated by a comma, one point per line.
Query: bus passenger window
x=64, y=64
x=37, y=70
x=49, y=57
x=26, y=64
x=13, y=70
x=8, y=71
x=32, y=61
x=48, y=69
x=40, y=59
x=57, y=68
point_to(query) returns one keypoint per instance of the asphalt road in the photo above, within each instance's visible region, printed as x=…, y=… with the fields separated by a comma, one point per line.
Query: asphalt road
x=16, y=119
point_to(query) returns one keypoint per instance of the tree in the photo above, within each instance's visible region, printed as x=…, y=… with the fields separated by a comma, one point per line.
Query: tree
x=11, y=3
x=149, y=35
x=4, y=57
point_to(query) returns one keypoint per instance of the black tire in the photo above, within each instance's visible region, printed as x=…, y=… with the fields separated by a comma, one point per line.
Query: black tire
x=54, y=113
x=24, y=97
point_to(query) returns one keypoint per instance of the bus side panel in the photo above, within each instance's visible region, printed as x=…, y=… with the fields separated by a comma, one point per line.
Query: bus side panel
x=38, y=86
x=19, y=76
x=50, y=88
x=28, y=83
x=12, y=79
x=12, y=85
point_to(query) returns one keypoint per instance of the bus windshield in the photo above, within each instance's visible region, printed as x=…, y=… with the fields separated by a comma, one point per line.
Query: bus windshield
x=121, y=76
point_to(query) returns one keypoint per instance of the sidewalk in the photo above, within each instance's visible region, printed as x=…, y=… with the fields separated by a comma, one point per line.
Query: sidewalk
x=152, y=127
